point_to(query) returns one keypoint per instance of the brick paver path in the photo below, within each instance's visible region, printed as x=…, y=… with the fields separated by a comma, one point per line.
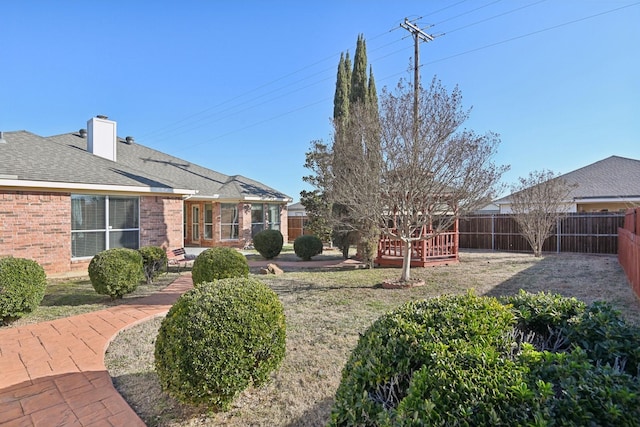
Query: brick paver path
x=53, y=373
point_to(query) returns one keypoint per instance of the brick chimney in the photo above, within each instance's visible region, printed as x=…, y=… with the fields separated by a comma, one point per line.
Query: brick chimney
x=102, y=137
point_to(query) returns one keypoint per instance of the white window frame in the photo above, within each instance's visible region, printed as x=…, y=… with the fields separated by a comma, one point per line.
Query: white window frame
x=107, y=228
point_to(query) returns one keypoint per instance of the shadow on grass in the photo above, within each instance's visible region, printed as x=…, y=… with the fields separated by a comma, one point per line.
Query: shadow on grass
x=80, y=292
x=318, y=415
x=587, y=277
x=296, y=286
x=152, y=405
x=72, y=293
x=532, y=279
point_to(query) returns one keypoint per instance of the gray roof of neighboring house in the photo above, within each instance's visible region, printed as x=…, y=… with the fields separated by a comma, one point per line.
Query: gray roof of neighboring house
x=613, y=177
x=64, y=158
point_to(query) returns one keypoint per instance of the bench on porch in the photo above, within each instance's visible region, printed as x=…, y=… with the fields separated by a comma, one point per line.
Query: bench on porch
x=179, y=258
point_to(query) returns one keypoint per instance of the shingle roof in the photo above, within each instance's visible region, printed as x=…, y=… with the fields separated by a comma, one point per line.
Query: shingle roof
x=611, y=178
x=64, y=158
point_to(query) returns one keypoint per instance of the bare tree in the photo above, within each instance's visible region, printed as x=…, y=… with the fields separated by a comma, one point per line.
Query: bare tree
x=537, y=203
x=422, y=177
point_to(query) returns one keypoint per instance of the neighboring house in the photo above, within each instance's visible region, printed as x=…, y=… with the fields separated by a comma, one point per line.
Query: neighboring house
x=65, y=198
x=609, y=185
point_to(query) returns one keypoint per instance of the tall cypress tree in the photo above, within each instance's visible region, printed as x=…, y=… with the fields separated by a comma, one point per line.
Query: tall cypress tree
x=355, y=112
x=372, y=94
x=341, y=97
x=351, y=146
x=359, y=88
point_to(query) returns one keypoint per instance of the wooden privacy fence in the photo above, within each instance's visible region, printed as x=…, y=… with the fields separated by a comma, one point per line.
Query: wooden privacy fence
x=595, y=233
x=629, y=248
x=296, y=227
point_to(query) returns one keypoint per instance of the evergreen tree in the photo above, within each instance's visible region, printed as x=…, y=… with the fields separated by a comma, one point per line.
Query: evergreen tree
x=341, y=97
x=355, y=106
x=372, y=94
x=358, y=92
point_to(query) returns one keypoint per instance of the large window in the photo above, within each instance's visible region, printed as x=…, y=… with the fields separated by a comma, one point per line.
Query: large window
x=257, y=218
x=103, y=222
x=228, y=221
x=264, y=216
x=274, y=217
x=208, y=221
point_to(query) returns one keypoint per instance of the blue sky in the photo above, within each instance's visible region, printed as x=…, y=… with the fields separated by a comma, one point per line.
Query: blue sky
x=243, y=87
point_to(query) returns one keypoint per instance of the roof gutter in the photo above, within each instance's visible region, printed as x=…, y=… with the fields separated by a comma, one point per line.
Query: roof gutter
x=10, y=181
x=619, y=199
x=267, y=199
x=245, y=199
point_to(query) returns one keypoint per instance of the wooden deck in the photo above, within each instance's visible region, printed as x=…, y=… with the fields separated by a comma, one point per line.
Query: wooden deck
x=438, y=250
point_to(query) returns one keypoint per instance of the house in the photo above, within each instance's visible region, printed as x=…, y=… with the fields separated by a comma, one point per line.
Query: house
x=608, y=185
x=65, y=198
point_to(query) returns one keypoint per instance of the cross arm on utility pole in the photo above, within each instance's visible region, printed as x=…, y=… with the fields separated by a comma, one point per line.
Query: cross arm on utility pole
x=418, y=35
x=416, y=31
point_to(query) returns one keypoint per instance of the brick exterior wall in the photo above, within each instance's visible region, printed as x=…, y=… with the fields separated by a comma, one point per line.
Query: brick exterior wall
x=37, y=226
x=161, y=222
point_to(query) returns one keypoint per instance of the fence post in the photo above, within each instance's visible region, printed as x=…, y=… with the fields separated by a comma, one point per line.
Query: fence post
x=558, y=234
x=493, y=232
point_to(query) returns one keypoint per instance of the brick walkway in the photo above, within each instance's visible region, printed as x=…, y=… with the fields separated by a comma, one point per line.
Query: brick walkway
x=53, y=373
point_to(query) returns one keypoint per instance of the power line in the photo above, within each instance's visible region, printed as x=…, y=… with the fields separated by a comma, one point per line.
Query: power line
x=554, y=27
x=385, y=78
x=468, y=12
x=188, y=121
x=192, y=120
x=493, y=17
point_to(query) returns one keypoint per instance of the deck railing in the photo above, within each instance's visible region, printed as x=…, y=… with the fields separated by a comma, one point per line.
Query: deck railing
x=438, y=247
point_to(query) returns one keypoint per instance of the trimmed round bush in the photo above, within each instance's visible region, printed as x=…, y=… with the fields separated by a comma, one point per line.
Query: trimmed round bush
x=154, y=259
x=467, y=360
x=219, y=263
x=218, y=339
x=268, y=243
x=116, y=272
x=307, y=246
x=22, y=286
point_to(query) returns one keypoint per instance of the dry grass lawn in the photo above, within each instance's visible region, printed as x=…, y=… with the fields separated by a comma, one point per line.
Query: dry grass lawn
x=325, y=312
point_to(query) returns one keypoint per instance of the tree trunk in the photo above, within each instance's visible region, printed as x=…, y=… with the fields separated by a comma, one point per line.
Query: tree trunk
x=406, y=262
x=537, y=250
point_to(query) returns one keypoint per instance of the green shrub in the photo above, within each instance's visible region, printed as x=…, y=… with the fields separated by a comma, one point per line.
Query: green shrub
x=116, y=272
x=470, y=360
x=219, y=263
x=154, y=259
x=22, y=286
x=606, y=338
x=218, y=339
x=307, y=247
x=538, y=312
x=416, y=337
x=268, y=243
x=582, y=392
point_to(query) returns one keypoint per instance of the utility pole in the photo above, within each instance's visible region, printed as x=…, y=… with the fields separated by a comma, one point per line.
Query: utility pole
x=418, y=35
